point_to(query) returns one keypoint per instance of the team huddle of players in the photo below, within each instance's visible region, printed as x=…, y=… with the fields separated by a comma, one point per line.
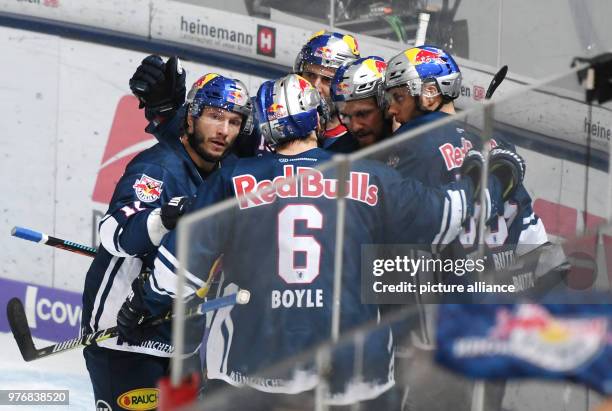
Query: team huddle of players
x=279, y=243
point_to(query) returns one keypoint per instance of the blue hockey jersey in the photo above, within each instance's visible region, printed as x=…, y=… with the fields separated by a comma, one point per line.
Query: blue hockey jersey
x=435, y=158
x=280, y=245
x=151, y=179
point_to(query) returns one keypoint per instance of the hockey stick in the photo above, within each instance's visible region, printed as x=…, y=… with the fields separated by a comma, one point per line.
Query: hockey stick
x=497, y=79
x=21, y=331
x=38, y=237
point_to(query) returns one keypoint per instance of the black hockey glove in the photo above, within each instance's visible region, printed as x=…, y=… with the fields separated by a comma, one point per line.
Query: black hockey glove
x=509, y=168
x=133, y=313
x=472, y=169
x=173, y=210
x=159, y=86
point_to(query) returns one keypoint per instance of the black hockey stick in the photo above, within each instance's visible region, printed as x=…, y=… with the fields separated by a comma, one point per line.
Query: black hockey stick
x=38, y=237
x=21, y=331
x=497, y=79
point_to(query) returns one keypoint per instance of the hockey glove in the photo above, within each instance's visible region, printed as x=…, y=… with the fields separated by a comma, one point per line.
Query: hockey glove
x=159, y=86
x=509, y=168
x=173, y=210
x=133, y=313
x=472, y=169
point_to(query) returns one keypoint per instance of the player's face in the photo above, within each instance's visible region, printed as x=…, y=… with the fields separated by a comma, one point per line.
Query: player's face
x=214, y=132
x=402, y=106
x=320, y=77
x=364, y=119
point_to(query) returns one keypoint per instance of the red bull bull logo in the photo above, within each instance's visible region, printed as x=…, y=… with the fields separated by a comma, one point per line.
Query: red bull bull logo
x=418, y=56
x=303, y=84
x=375, y=67
x=236, y=97
x=147, y=189
x=343, y=88
x=276, y=111
x=323, y=52
x=199, y=83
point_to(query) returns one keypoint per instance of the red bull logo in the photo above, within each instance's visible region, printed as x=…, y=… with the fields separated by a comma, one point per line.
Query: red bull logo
x=236, y=97
x=148, y=189
x=343, y=88
x=377, y=68
x=418, y=56
x=303, y=84
x=276, y=111
x=323, y=52
x=199, y=83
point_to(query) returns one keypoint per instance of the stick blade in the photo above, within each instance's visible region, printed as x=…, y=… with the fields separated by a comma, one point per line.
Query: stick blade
x=497, y=79
x=21, y=331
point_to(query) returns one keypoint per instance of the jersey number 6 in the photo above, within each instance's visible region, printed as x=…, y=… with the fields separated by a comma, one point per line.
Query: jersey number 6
x=293, y=247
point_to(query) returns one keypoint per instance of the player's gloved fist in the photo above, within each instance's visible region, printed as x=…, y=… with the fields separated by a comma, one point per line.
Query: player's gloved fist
x=133, y=313
x=147, y=77
x=472, y=168
x=173, y=210
x=508, y=167
x=159, y=86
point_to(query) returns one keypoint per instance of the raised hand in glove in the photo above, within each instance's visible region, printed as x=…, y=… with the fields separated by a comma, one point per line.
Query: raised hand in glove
x=472, y=169
x=162, y=220
x=509, y=168
x=159, y=86
x=132, y=314
x=173, y=210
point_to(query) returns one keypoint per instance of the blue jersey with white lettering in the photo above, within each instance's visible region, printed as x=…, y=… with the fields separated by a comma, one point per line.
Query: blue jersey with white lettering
x=150, y=180
x=280, y=245
x=435, y=158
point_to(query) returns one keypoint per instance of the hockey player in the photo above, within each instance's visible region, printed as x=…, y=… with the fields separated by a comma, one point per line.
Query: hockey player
x=420, y=86
x=279, y=243
x=355, y=92
x=147, y=202
x=317, y=61
x=322, y=55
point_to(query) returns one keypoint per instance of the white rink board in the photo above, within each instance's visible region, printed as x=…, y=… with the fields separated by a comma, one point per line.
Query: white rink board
x=118, y=15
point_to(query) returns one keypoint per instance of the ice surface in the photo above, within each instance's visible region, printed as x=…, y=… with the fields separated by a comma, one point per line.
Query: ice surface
x=65, y=371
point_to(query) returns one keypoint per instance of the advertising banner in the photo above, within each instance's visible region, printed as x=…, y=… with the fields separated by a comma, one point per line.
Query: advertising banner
x=52, y=314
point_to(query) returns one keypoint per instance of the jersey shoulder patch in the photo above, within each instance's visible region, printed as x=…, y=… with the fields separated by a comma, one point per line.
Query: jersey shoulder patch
x=147, y=188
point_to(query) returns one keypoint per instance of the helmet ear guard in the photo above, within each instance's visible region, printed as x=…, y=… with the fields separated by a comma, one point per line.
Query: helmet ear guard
x=324, y=110
x=381, y=101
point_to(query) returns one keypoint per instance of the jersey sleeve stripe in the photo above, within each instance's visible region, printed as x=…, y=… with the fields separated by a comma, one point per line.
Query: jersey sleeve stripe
x=109, y=233
x=174, y=264
x=436, y=239
x=455, y=216
x=107, y=281
x=164, y=281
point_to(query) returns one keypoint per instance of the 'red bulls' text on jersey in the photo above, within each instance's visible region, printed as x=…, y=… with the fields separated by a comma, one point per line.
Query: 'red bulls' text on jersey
x=302, y=182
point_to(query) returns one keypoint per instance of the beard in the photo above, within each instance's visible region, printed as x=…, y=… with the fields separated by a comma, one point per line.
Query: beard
x=196, y=143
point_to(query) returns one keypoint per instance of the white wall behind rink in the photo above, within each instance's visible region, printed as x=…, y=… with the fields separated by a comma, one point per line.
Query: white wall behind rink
x=58, y=100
